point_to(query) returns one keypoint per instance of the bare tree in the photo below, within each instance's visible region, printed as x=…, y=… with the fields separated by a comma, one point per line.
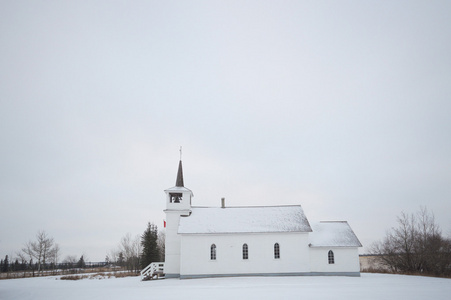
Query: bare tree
x=137, y=250
x=113, y=256
x=126, y=248
x=24, y=259
x=415, y=246
x=70, y=261
x=45, y=244
x=55, y=253
x=40, y=249
x=131, y=251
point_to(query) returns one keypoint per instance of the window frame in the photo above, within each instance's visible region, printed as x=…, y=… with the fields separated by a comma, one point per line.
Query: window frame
x=276, y=251
x=213, y=252
x=245, y=251
x=331, y=257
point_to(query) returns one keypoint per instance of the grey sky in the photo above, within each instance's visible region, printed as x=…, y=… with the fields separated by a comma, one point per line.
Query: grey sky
x=340, y=106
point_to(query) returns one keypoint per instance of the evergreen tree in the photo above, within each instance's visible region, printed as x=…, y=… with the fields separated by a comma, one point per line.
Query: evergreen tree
x=5, y=265
x=149, y=243
x=81, y=263
x=16, y=265
x=32, y=266
x=120, y=259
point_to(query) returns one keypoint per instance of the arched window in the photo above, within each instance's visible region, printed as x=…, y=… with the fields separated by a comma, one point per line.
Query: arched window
x=213, y=252
x=245, y=251
x=276, y=251
x=330, y=255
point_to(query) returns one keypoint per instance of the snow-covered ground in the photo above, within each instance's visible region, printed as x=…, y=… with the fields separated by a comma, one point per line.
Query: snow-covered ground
x=368, y=286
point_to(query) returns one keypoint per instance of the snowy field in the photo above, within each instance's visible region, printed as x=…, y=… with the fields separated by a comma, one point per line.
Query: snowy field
x=369, y=286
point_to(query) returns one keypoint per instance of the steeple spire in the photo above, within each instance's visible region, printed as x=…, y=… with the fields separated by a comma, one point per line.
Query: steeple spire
x=179, y=180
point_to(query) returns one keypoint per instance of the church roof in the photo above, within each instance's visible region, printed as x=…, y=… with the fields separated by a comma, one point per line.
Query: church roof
x=333, y=234
x=248, y=219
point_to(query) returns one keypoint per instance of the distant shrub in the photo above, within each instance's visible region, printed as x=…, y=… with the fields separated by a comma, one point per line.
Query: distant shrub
x=100, y=275
x=73, y=277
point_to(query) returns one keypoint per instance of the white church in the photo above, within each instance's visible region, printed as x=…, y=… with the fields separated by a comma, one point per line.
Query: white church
x=252, y=240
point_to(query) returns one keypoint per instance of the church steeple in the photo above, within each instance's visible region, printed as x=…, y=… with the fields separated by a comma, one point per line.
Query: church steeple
x=179, y=197
x=178, y=204
x=179, y=180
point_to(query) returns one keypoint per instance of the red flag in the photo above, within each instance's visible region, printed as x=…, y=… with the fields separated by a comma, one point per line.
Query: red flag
x=164, y=222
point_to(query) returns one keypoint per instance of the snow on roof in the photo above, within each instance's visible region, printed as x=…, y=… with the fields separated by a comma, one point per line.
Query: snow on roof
x=333, y=234
x=245, y=220
x=179, y=189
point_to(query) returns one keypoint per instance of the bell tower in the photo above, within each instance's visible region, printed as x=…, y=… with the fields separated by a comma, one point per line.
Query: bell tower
x=178, y=204
x=178, y=197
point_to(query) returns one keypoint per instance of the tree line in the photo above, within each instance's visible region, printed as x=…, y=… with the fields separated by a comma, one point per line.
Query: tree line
x=43, y=255
x=24, y=266
x=136, y=253
x=416, y=246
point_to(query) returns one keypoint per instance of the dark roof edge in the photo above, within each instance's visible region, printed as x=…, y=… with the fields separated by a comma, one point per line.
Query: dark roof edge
x=247, y=232
x=250, y=206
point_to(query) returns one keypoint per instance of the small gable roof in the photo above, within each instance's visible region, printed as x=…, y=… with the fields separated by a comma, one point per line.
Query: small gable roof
x=256, y=219
x=333, y=234
x=178, y=189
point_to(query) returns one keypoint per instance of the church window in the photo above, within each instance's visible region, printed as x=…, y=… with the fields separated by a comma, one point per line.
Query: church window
x=175, y=197
x=213, y=252
x=330, y=255
x=276, y=251
x=245, y=252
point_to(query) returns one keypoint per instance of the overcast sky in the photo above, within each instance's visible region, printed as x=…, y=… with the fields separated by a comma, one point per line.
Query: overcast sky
x=343, y=107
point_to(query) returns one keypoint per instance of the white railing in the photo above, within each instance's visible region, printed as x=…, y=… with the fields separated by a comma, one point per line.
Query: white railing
x=154, y=270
